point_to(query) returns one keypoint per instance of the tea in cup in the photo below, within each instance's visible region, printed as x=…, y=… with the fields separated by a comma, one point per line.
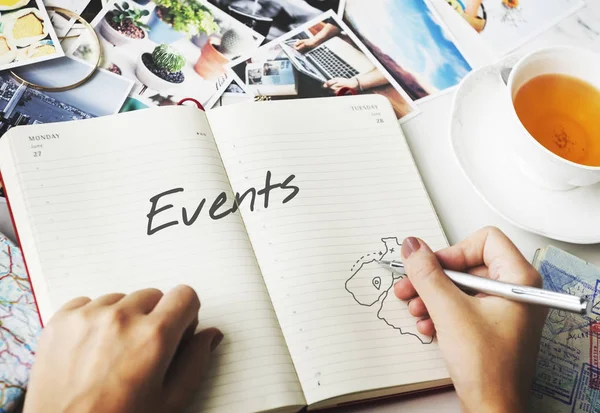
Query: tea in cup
x=555, y=96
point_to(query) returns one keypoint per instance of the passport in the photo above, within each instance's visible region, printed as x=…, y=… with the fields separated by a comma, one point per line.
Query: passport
x=567, y=378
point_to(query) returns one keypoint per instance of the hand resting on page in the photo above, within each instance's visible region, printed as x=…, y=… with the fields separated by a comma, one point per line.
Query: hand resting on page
x=119, y=353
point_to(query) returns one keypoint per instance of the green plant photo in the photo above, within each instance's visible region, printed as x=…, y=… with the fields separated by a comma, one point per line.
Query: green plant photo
x=165, y=57
x=123, y=13
x=187, y=16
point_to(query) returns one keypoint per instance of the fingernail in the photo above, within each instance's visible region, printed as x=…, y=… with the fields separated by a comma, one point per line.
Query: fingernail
x=409, y=245
x=216, y=341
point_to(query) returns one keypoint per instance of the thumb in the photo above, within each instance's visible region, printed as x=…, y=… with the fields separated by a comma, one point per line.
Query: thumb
x=434, y=287
x=188, y=367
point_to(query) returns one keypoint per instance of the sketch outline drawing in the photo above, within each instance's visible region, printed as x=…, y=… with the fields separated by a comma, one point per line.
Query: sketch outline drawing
x=370, y=284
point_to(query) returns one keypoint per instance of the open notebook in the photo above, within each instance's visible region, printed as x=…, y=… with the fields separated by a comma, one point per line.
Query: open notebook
x=275, y=212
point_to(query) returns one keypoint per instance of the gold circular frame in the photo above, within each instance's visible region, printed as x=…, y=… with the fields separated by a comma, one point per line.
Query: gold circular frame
x=89, y=27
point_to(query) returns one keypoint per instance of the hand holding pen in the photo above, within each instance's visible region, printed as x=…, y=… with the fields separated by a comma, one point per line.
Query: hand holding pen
x=488, y=342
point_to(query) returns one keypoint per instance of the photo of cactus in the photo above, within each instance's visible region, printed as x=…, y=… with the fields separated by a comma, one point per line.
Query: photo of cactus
x=507, y=24
x=171, y=49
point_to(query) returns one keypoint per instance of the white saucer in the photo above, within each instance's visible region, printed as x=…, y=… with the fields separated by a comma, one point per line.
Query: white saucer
x=478, y=132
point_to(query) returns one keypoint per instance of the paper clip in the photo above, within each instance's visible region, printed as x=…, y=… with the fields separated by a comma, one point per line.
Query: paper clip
x=346, y=91
x=198, y=104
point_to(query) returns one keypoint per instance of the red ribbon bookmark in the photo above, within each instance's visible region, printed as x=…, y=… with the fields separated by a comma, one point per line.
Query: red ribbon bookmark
x=198, y=104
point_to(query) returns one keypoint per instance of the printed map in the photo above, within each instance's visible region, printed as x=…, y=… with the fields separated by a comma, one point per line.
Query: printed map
x=19, y=326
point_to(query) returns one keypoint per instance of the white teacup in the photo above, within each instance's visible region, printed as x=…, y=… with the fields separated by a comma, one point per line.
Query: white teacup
x=538, y=163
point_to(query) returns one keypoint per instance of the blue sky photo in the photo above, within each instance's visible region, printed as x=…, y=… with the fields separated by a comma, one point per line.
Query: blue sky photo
x=407, y=33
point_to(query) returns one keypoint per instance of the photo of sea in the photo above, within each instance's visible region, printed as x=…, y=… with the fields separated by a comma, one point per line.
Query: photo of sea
x=410, y=42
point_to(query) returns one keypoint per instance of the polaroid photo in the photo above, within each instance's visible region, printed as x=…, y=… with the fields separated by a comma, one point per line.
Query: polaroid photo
x=232, y=94
x=411, y=42
x=76, y=6
x=103, y=94
x=507, y=24
x=62, y=23
x=275, y=18
x=170, y=54
x=26, y=34
x=318, y=59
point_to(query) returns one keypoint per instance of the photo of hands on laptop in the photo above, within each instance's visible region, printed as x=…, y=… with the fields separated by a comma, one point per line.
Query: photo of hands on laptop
x=321, y=58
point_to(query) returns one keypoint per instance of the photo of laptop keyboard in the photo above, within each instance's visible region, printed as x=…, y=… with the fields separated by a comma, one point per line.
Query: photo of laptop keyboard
x=331, y=63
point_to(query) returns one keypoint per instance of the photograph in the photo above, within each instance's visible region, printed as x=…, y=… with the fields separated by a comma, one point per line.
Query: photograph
x=274, y=18
x=507, y=24
x=102, y=95
x=411, y=42
x=62, y=23
x=171, y=49
x=26, y=34
x=322, y=58
x=232, y=95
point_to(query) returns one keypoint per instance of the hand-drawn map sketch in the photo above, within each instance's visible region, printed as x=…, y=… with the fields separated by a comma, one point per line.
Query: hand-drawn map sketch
x=371, y=284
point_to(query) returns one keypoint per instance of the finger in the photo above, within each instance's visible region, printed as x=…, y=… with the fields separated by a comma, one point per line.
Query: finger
x=424, y=271
x=404, y=289
x=190, y=331
x=480, y=271
x=417, y=308
x=188, y=367
x=490, y=247
x=175, y=312
x=106, y=300
x=142, y=301
x=75, y=303
x=426, y=327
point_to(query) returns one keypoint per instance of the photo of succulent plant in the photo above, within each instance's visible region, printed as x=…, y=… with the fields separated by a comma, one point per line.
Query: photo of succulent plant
x=171, y=49
x=164, y=64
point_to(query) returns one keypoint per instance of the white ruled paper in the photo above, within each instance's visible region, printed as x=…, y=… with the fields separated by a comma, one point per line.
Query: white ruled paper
x=357, y=185
x=80, y=195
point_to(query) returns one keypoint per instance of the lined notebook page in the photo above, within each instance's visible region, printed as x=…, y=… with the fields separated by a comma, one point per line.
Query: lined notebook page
x=80, y=196
x=360, y=194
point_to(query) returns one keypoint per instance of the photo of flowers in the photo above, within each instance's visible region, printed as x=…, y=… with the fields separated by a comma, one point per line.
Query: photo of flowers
x=26, y=34
x=507, y=24
x=411, y=42
x=171, y=49
x=320, y=58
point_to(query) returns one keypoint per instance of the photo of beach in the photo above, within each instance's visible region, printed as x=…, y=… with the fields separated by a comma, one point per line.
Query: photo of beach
x=408, y=39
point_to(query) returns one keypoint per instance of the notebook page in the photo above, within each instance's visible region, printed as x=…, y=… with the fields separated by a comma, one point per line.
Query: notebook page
x=81, y=195
x=359, y=195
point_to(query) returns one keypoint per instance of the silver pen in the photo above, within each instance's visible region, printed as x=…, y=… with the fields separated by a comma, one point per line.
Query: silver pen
x=514, y=292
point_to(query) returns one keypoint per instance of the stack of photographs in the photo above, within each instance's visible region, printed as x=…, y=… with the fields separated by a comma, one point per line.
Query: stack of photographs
x=220, y=52
x=171, y=50
x=400, y=50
